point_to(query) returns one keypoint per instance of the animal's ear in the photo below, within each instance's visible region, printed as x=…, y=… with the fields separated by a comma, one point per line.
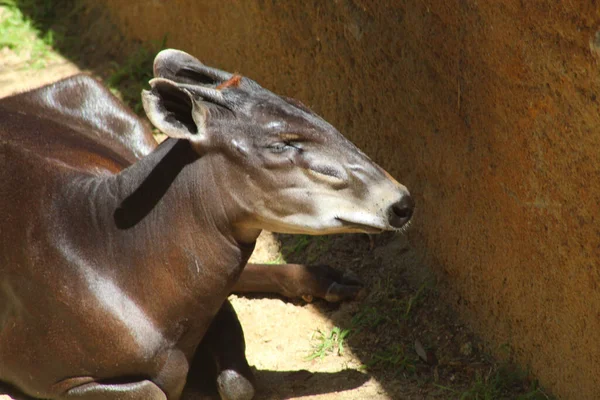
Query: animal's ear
x=175, y=111
x=179, y=66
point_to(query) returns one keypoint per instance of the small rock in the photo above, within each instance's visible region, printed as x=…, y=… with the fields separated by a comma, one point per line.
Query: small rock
x=426, y=355
x=420, y=350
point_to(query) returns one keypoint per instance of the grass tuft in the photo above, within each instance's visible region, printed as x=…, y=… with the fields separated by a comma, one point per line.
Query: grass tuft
x=20, y=34
x=499, y=383
x=393, y=358
x=312, y=247
x=331, y=342
x=279, y=260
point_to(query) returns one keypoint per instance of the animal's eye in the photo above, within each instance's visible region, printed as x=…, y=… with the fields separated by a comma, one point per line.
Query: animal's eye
x=280, y=147
x=328, y=171
x=330, y=175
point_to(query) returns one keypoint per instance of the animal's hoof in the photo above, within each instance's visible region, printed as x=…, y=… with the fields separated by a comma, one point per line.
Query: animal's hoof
x=234, y=386
x=340, y=292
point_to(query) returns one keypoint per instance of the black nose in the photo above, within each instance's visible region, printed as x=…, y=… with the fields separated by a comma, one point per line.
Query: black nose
x=401, y=211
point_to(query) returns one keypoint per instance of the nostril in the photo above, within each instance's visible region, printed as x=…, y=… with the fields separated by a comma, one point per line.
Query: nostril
x=401, y=211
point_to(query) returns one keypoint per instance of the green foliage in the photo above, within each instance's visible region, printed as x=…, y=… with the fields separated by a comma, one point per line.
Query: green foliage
x=415, y=299
x=127, y=79
x=279, y=260
x=393, y=358
x=331, y=342
x=312, y=247
x=499, y=383
x=368, y=318
x=19, y=33
x=299, y=244
x=34, y=28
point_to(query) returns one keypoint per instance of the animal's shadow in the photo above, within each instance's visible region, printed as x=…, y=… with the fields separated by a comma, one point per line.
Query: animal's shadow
x=271, y=385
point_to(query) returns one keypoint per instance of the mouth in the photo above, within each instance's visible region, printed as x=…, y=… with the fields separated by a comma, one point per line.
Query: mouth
x=360, y=227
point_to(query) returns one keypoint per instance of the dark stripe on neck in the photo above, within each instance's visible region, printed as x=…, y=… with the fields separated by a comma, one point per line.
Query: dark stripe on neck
x=147, y=195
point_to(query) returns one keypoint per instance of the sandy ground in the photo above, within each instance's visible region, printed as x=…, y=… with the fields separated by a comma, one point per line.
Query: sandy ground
x=280, y=337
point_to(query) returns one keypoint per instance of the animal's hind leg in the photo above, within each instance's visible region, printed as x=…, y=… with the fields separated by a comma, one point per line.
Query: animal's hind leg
x=221, y=358
x=299, y=280
x=142, y=390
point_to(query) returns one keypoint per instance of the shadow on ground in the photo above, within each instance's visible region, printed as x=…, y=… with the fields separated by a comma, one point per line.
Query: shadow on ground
x=282, y=385
x=288, y=384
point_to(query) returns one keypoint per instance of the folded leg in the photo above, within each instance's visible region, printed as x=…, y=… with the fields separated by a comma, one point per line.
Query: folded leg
x=142, y=390
x=221, y=360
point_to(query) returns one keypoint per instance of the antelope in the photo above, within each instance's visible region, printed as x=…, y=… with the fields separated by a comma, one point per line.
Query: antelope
x=117, y=254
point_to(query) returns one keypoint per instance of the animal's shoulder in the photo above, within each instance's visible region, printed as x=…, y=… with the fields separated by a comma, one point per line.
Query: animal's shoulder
x=75, y=115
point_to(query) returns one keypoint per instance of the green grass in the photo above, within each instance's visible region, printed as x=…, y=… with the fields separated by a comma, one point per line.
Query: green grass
x=383, y=311
x=382, y=318
x=299, y=244
x=399, y=307
x=311, y=247
x=278, y=260
x=127, y=79
x=368, y=318
x=34, y=28
x=331, y=342
x=499, y=383
x=393, y=358
x=415, y=299
x=20, y=34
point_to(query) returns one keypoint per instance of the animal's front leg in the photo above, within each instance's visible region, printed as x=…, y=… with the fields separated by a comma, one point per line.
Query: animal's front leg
x=221, y=357
x=166, y=385
x=298, y=280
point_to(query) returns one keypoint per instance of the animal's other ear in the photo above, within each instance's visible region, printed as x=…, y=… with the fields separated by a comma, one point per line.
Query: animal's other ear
x=175, y=111
x=181, y=67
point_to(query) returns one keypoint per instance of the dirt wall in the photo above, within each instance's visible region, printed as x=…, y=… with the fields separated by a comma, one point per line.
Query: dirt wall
x=487, y=111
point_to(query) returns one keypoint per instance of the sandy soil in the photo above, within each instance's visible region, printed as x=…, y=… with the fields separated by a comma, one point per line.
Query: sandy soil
x=280, y=337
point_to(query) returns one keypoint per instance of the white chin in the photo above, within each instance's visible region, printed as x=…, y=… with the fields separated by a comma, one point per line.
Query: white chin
x=361, y=225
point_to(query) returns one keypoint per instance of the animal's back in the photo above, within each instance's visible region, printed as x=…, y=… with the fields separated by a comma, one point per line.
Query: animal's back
x=75, y=122
x=53, y=142
x=49, y=139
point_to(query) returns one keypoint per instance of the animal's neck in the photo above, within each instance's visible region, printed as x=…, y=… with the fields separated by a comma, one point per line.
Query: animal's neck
x=175, y=187
x=168, y=211
x=160, y=232
x=162, y=176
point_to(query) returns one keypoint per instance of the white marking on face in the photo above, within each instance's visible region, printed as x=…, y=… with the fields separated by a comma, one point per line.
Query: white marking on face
x=275, y=125
x=327, y=210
